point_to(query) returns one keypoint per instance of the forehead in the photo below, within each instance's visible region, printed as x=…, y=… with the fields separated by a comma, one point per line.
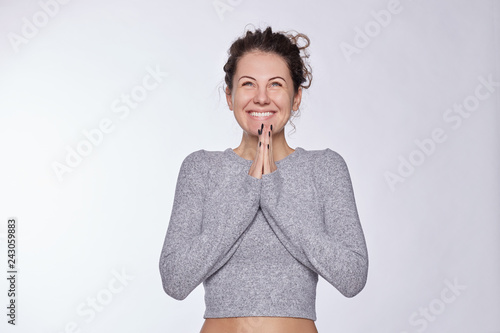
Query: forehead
x=262, y=64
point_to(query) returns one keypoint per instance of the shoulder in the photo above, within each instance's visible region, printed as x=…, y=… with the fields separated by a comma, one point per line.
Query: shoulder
x=202, y=159
x=204, y=156
x=327, y=166
x=324, y=158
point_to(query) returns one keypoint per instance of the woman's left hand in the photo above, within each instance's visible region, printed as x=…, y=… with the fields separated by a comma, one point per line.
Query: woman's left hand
x=266, y=137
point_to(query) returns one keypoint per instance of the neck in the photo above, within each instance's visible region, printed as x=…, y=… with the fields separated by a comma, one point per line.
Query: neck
x=249, y=143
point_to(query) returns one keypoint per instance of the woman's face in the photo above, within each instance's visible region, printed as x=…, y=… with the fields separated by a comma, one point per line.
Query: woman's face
x=262, y=92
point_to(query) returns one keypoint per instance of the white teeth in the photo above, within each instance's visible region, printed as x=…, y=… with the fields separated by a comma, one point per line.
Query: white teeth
x=260, y=114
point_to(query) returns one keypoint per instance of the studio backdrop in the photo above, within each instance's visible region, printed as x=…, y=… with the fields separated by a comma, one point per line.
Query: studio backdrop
x=100, y=102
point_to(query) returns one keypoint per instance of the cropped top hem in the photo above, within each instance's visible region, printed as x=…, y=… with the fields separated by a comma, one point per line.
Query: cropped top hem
x=269, y=313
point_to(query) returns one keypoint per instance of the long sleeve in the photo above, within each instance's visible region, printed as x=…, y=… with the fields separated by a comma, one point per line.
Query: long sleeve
x=312, y=210
x=213, y=206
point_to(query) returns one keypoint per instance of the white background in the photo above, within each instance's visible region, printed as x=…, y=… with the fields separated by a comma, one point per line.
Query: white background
x=438, y=225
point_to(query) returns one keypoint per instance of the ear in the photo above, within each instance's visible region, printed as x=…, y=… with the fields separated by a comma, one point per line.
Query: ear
x=229, y=99
x=297, y=99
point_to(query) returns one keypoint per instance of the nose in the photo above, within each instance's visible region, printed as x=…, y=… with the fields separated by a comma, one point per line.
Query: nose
x=261, y=96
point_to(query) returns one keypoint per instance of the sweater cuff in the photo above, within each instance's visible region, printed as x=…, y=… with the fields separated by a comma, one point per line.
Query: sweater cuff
x=251, y=184
x=272, y=177
x=272, y=184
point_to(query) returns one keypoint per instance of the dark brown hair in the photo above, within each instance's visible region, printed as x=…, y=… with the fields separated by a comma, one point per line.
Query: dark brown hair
x=284, y=44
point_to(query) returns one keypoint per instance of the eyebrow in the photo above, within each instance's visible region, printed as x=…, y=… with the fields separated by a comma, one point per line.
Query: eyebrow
x=275, y=77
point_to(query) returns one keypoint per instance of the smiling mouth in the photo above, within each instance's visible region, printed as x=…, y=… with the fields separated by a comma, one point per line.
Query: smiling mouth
x=260, y=114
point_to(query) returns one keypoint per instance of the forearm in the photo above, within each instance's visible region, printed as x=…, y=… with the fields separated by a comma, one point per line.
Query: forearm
x=318, y=223
x=205, y=229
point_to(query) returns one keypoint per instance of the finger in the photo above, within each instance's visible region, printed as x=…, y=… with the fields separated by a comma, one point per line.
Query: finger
x=256, y=167
x=260, y=150
x=271, y=155
x=263, y=150
x=267, y=157
x=272, y=165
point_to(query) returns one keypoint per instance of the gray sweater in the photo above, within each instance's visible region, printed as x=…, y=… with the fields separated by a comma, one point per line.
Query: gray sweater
x=258, y=245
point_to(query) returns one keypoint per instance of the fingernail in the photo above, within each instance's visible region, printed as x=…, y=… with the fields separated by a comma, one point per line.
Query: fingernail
x=269, y=133
x=271, y=127
x=259, y=143
x=259, y=131
x=268, y=146
x=262, y=126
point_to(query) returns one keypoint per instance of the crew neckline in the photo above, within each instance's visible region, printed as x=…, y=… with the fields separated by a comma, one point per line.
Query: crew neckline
x=235, y=157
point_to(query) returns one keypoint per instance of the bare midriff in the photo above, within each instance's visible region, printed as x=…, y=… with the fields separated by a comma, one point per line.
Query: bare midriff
x=258, y=325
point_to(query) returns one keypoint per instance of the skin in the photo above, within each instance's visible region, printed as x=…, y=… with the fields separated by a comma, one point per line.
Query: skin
x=262, y=82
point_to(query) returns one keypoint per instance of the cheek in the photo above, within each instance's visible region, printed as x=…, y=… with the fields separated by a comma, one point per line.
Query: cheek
x=242, y=97
x=284, y=100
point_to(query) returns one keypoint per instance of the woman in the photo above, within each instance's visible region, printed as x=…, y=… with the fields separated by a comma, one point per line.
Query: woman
x=258, y=223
